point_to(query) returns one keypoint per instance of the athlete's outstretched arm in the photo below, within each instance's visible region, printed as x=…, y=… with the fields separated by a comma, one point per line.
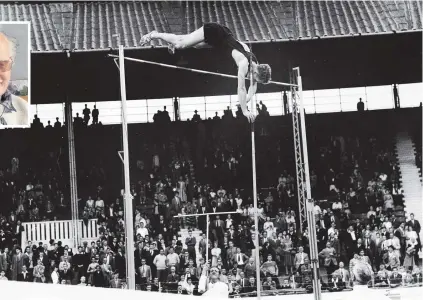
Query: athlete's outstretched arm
x=242, y=92
x=251, y=91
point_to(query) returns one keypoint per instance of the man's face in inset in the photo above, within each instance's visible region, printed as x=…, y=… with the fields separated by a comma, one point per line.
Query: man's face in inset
x=5, y=62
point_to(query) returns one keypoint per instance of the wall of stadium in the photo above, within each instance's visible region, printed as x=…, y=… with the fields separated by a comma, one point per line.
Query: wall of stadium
x=34, y=291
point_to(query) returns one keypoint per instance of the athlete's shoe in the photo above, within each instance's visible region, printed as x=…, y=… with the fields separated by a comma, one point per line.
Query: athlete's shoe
x=146, y=39
x=171, y=48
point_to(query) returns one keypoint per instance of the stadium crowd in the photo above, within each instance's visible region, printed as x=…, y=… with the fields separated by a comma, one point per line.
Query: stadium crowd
x=362, y=233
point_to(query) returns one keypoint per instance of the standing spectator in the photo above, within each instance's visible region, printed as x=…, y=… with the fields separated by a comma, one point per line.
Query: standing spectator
x=86, y=112
x=190, y=242
x=329, y=258
x=95, y=114
x=17, y=264
x=270, y=268
x=145, y=275
x=300, y=258
x=98, y=279
x=24, y=275
x=160, y=261
x=411, y=248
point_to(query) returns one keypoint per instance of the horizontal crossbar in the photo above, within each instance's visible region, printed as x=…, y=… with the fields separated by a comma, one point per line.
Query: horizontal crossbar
x=205, y=214
x=195, y=70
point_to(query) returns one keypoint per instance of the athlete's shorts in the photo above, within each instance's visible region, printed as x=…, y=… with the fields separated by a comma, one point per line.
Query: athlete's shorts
x=216, y=35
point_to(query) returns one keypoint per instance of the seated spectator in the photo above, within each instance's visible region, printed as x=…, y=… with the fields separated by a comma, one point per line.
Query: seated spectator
x=270, y=268
x=341, y=277
x=391, y=259
x=300, y=258
x=269, y=284
x=172, y=280
x=395, y=279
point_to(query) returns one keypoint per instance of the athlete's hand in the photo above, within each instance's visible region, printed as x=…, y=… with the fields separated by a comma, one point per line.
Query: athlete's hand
x=249, y=115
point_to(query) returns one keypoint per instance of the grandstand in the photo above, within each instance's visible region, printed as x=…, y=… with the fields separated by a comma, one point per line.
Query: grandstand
x=365, y=165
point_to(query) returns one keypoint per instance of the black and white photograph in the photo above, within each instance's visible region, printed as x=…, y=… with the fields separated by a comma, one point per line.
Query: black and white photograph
x=14, y=74
x=225, y=149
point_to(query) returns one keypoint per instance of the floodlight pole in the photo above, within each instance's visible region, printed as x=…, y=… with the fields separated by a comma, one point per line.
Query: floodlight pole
x=129, y=221
x=303, y=173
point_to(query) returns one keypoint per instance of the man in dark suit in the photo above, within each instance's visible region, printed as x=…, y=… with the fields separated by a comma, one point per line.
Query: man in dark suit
x=110, y=260
x=98, y=278
x=17, y=234
x=251, y=286
x=5, y=261
x=114, y=245
x=376, y=249
x=202, y=246
x=321, y=237
x=332, y=219
x=202, y=219
x=25, y=275
x=138, y=254
x=230, y=253
x=250, y=268
x=66, y=274
x=367, y=243
x=172, y=280
x=350, y=242
x=414, y=224
x=218, y=230
x=120, y=263
x=243, y=281
x=144, y=272
x=115, y=282
x=149, y=255
x=176, y=204
x=190, y=241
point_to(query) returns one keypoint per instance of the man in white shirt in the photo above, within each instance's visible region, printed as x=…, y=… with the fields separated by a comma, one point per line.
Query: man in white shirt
x=172, y=259
x=332, y=229
x=371, y=212
x=212, y=287
x=13, y=109
x=317, y=210
x=142, y=230
x=160, y=261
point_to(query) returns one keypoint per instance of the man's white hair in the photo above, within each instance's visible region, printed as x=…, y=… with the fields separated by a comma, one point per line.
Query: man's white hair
x=13, y=45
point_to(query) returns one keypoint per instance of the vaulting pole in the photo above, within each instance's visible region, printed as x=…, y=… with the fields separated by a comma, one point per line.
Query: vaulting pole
x=195, y=70
x=129, y=221
x=254, y=169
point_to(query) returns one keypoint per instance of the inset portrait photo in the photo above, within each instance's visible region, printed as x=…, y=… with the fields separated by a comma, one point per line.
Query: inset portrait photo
x=14, y=74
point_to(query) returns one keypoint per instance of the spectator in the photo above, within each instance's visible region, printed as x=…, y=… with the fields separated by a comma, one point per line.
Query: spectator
x=395, y=279
x=341, y=277
x=95, y=114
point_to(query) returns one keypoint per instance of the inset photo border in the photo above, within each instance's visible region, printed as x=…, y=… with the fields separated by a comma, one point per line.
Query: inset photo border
x=15, y=71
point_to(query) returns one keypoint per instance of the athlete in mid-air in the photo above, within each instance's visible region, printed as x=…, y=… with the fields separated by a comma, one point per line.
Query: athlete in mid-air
x=219, y=36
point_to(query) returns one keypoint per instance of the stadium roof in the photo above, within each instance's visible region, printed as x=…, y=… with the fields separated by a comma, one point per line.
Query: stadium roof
x=57, y=26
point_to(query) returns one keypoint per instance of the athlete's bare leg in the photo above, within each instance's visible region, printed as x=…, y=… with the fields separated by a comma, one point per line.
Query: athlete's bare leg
x=176, y=41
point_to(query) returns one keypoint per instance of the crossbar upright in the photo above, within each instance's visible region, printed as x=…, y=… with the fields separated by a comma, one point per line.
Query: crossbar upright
x=129, y=221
